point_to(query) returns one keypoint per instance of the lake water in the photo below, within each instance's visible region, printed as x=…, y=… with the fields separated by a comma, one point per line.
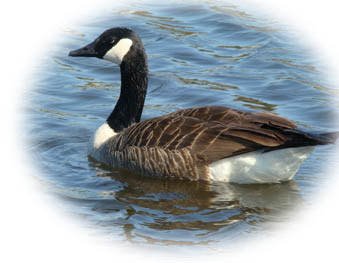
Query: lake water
x=207, y=54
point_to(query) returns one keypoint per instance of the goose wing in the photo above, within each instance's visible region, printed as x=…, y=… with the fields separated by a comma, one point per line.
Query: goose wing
x=229, y=116
x=227, y=133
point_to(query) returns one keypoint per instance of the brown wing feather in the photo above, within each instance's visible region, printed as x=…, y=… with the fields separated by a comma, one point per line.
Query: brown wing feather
x=235, y=117
x=212, y=133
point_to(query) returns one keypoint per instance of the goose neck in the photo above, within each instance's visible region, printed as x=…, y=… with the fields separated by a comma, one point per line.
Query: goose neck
x=130, y=104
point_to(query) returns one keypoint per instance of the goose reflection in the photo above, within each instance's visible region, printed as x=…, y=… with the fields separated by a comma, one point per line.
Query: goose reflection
x=148, y=205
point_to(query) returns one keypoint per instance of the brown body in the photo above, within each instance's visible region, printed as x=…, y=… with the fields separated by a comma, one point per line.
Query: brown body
x=184, y=143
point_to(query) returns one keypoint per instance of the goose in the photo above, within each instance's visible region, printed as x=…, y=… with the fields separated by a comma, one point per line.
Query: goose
x=212, y=143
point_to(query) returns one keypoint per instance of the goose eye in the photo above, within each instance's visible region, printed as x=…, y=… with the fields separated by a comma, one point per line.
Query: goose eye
x=103, y=44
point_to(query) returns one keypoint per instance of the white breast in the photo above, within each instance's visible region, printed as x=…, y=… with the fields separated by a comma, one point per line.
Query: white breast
x=259, y=167
x=99, y=138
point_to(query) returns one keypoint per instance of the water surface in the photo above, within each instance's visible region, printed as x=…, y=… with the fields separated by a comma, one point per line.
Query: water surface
x=207, y=54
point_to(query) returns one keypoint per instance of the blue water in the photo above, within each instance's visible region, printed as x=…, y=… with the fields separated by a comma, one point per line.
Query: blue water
x=206, y=54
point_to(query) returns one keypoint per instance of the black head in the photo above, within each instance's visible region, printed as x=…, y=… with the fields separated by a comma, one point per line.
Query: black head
x=112, y=45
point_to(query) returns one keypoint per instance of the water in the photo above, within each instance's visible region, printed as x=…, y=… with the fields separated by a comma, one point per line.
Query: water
x=207, y=54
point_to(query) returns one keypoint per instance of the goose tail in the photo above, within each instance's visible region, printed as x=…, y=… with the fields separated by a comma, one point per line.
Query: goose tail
x=328, y=137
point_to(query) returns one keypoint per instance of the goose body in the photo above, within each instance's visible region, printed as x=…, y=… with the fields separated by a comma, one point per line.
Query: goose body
x=206, y=143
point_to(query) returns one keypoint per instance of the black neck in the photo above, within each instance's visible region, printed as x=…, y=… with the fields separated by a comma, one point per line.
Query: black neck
x=134, y=81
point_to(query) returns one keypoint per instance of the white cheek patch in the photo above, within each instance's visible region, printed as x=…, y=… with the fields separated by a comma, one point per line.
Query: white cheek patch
x=117, y=53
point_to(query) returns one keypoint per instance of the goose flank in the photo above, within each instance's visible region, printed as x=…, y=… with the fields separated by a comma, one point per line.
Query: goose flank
x=206, y=143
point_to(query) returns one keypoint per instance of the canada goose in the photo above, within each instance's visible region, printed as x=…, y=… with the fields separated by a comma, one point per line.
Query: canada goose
x=205, y=143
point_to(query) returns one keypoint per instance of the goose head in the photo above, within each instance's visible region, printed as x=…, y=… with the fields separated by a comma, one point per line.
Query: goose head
x=123, y=47
x=115, y=45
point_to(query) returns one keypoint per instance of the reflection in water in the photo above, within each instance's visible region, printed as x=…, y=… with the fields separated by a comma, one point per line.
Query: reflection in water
x=184, y=212
x=147, y=15
x=256, y=104
x=205, y=83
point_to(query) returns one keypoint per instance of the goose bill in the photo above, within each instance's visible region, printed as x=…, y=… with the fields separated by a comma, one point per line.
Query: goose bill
x=86, y=51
